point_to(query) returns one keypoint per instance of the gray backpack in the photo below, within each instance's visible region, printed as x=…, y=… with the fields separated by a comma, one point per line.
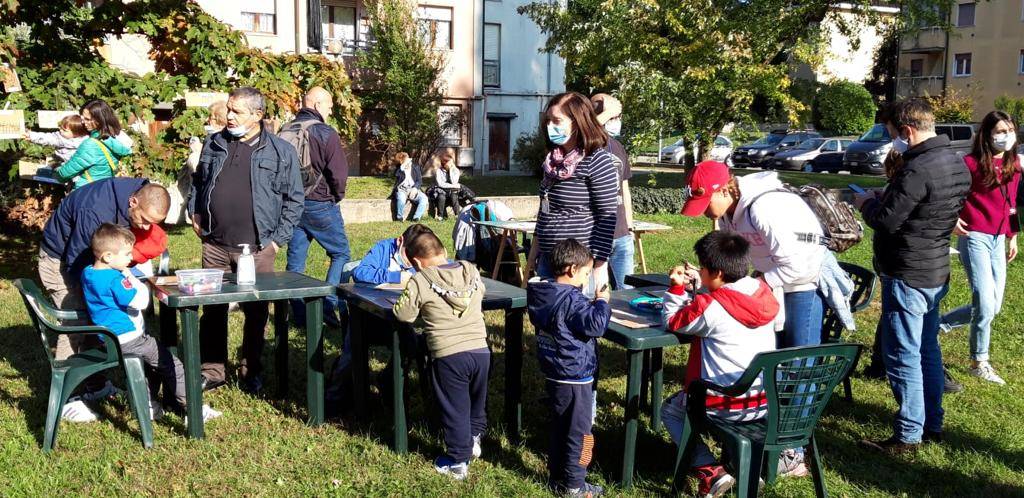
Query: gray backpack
x=838, y=219
x=297, y=134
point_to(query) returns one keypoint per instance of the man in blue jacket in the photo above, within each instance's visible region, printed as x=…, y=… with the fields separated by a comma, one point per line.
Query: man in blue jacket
x=247, y=190
x=65, y=249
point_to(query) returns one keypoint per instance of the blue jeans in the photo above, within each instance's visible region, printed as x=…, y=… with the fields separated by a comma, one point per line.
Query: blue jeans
x=620, y=263
x=804, y=311
x=984, y=260
x=419, y=203
x=913, y=360
x=321, y=221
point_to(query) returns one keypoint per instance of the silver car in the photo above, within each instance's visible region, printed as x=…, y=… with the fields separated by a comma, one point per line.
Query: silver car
x=676, y=153
x=794, y=159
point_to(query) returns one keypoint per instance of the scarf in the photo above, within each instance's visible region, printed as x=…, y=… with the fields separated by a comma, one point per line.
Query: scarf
x=559, y=166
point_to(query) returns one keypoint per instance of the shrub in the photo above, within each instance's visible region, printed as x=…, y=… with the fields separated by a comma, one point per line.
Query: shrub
x=953, y=107
x=843, y=108
x=656, y=200
x=1013, y=107
x=530, y=151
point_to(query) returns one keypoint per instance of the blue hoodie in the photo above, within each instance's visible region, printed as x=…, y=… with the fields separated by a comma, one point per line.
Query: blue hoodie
x=381, y=264
x=568, y=325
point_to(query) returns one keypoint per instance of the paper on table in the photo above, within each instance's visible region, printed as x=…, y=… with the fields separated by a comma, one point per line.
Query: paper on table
x=633, y=321
x=390, y=286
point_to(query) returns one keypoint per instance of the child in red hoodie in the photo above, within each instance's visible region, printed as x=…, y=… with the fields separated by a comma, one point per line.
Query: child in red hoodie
x=730, y=324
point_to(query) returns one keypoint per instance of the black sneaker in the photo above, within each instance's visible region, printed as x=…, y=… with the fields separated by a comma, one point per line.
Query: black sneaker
x=932, y=437
x=875, y=371
x=951, y=386
x=209, y=385
x=891, y=446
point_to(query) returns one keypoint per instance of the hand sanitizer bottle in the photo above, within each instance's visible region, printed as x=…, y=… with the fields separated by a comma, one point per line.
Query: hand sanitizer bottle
x=246, y=267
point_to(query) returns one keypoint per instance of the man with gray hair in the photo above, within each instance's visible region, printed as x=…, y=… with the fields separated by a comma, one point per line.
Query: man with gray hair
x=247, y=190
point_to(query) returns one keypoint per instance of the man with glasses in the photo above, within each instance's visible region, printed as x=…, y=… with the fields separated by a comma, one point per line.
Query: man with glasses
x=247, y=190
x=65, y=252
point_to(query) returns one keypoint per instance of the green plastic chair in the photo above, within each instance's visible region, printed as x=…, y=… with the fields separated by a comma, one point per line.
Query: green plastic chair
x=66, y=375
x=797, y=395
x=832, y=327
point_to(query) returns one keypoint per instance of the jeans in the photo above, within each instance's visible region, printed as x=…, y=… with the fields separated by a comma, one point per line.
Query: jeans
x=620, y=263
x=804, y=310
x=984, y=260
x=913, y=360
x=449, y=198
x=321, y=221
x=419, y=204
x=673, y=414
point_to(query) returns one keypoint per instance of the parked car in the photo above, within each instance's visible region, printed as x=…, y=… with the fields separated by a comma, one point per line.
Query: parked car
x=722, y=150
x=677, y=152
x=753, y=153
x=868, y=152
x=796, y=158
x=674, y=153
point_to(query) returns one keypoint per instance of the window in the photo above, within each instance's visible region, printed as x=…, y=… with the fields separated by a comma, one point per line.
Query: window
x=492, y=55
x=916, y=67
x=436, y=26
x=1020, y=69
x=831, y=146
x=962, y=65
x=449, y=117
x=260, y=16
x=962, y=133
x=339, y=27
x=965, y=15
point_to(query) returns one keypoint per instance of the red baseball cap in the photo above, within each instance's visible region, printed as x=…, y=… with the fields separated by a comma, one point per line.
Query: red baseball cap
x=706, y=178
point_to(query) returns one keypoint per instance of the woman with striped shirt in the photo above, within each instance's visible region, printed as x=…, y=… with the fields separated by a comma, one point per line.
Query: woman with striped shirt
x=579, y=192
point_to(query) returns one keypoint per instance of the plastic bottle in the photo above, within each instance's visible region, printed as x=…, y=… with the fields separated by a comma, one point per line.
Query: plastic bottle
x=246, y=267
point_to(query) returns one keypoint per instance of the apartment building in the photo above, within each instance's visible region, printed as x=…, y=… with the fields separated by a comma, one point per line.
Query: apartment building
x=982, y=56
x=842, y=58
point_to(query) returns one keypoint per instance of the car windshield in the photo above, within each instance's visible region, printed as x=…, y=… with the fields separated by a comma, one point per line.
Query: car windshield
x=877, y=133
x=678, y=143
x=770, y=139
x=811, y=144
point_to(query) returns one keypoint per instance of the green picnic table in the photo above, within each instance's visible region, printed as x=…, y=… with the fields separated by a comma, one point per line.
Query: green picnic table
x=650, y=339
x=278, y=287
x=364, y=299
x=647, y=280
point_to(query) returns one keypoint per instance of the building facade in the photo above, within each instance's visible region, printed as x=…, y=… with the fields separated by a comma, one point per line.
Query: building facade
x=981, y=57
x=843, y=59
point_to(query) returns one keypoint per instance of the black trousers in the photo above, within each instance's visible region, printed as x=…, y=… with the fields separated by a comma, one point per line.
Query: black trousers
x=460, y=386
x=572, y=444
x=450, y=197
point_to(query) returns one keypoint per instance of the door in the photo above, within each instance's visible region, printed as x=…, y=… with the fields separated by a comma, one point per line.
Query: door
x=498, y=144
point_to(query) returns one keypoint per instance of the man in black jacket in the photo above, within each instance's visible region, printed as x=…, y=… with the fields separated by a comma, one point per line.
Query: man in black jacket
x=325, y=188
x=913, y=221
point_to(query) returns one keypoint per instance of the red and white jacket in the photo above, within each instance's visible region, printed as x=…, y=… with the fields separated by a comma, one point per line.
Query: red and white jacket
x=730, y=326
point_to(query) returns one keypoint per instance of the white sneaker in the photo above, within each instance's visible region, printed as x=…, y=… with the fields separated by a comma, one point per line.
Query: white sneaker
x=156, y=410
x=447, y=466
x=984, y=371
x=75, y=410
x=208, y=414
x=791, y=464
x=107, y=392
x=477, y=450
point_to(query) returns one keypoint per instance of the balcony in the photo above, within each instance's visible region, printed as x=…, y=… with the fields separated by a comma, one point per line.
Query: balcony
x=927, y=40
x=917, y=86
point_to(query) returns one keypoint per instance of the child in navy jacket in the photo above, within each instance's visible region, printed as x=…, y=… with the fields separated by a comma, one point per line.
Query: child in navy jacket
x=568, y=325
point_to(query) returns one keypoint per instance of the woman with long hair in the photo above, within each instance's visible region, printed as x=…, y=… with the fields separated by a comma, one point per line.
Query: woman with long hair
x=99, y=155
x=988, y=218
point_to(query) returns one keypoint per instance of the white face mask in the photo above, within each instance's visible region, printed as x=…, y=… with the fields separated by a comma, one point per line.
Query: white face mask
x=238, y=132
x=1003, y=141
x=900, y=145
x=210, y=129
x=613, y=127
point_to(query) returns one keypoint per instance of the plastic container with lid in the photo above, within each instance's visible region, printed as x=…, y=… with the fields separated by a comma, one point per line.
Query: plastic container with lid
x=192, y=282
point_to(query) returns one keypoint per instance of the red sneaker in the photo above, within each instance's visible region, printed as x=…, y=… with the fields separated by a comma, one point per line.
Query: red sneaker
x=713, y=481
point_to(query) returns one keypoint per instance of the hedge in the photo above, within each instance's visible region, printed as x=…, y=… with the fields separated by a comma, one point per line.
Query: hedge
x=656, y=200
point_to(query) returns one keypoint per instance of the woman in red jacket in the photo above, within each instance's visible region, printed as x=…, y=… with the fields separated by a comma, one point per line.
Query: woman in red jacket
x=989, y=216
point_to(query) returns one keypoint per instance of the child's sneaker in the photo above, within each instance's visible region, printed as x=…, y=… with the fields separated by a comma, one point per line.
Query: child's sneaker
x=208, y=414
x=447, y=466
x=713, y=481
x=477, y=450
x=791, y=464
x=75, y=410
x=156, y=410
x=984, y=371
x=586, y=491
x=107, y=392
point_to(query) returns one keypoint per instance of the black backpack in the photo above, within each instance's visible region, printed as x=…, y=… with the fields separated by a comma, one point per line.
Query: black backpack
x=297, y=134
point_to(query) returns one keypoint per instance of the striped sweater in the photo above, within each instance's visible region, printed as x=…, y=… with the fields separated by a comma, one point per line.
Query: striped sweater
x=582, y=207
x=730, y=326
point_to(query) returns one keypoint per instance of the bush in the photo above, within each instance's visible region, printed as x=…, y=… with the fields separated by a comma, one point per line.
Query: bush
x=656, y=200
x=953, y=107
x=843, y=108
x=530, y=152
x=1013, y=107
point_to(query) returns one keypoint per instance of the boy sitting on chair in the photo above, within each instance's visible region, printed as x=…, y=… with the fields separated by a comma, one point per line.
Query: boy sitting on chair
x=730, y=324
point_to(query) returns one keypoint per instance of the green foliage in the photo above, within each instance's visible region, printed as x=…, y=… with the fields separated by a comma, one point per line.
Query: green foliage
x=402, y=80
x=953, y=107
x=530, y=151
x=844, y=108
x=656, y=200
x=1014, y=107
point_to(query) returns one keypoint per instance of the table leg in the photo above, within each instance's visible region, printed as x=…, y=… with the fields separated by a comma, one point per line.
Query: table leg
x=635, y=363
x=514, y=373
x=281, y=351
x=314, y=360
x=531, y=261
x=514, y=243
x=640, y=250
x=360, y=361
x=645, y=377
x=398, y=392
x=657, y=386
x=168, y=320
x=497, y=260
x=193, y=377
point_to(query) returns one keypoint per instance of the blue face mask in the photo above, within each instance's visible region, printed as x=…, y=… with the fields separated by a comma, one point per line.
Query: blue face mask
x=557, y=134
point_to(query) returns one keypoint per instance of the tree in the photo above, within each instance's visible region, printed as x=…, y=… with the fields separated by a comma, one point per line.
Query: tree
x=1014, y=107
x=844, y=108
x=401, y=77
x=693, y=66
x=882, y=82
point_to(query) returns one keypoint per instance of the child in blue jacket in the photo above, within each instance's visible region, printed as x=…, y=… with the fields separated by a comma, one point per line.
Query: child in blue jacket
x=568, y=325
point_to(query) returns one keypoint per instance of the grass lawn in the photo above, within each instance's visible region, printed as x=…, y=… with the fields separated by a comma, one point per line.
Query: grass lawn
x=261, y=447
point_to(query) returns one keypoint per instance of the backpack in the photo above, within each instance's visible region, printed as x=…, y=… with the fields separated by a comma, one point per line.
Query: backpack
x=297, y=134
x=838, y=219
